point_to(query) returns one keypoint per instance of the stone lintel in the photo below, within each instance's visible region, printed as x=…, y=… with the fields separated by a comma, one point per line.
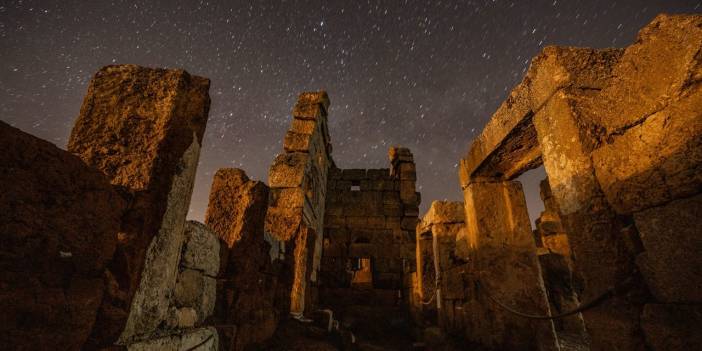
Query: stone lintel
x=507, y=145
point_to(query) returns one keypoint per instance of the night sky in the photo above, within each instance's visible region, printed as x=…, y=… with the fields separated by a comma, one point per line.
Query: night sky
x=425, y=76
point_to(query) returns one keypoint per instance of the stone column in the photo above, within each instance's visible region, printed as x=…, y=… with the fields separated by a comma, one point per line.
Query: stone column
x=143, y=128
x=504, y=260
x=594, y=233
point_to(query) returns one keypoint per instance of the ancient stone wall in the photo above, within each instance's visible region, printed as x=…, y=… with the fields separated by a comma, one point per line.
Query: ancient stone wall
x=295, y=215
x=368, y=217
x=369, y=242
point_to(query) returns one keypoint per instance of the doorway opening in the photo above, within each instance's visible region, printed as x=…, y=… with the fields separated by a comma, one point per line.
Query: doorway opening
x=362, y=273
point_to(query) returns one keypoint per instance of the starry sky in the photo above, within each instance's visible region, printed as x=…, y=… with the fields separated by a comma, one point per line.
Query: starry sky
x=422, y=74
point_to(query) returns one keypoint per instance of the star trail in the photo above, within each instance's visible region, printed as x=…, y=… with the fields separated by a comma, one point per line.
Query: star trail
x=424, y=75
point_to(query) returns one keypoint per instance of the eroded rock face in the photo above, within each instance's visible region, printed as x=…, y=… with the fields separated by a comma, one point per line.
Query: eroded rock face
x=143, y=128
x=247, y=288
x=58, y=227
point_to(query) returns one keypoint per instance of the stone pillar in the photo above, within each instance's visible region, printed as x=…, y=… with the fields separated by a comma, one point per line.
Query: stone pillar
x=504, y=260
x=248, y=277
x=143, y=128
x=296, y=208
x=303, y=255
x=593, y=231
x=447, y=220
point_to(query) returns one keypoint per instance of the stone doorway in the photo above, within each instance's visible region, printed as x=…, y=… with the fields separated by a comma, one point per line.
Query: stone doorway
x=362, y=273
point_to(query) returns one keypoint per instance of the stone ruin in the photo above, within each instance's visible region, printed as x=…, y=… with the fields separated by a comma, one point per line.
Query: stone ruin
x=97, y=254
x=619, y=133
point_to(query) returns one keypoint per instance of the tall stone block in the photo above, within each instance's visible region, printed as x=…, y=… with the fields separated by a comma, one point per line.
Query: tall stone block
x=298, y=189
x=143, y=128
x=506, y=265
x=58, y=231
x=247, y=284
x=593, y=230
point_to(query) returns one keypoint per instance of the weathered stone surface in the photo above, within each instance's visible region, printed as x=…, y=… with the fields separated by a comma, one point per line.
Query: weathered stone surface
x=562, y=296
x=445, y=212
x=236, y=212
x=463, y=244
x=378, y=228
x=283, y=216
x=671, y=263
x=195, y=290
x=503, y=249
x=298, y=181
x=672, y=327
x=296, y=142
x=150, y=305
x=407, y=192
x=592, y=227
x=311, y=105
x=619, y=134
x=143, y=128
x=204, y=339
x=200, y=249
x=59, y=221
x=303, y=126
x=302, y=259
x=507, y=146
x=651, y=117
x=353, y=174
x=656, y=160
x=288, y=170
